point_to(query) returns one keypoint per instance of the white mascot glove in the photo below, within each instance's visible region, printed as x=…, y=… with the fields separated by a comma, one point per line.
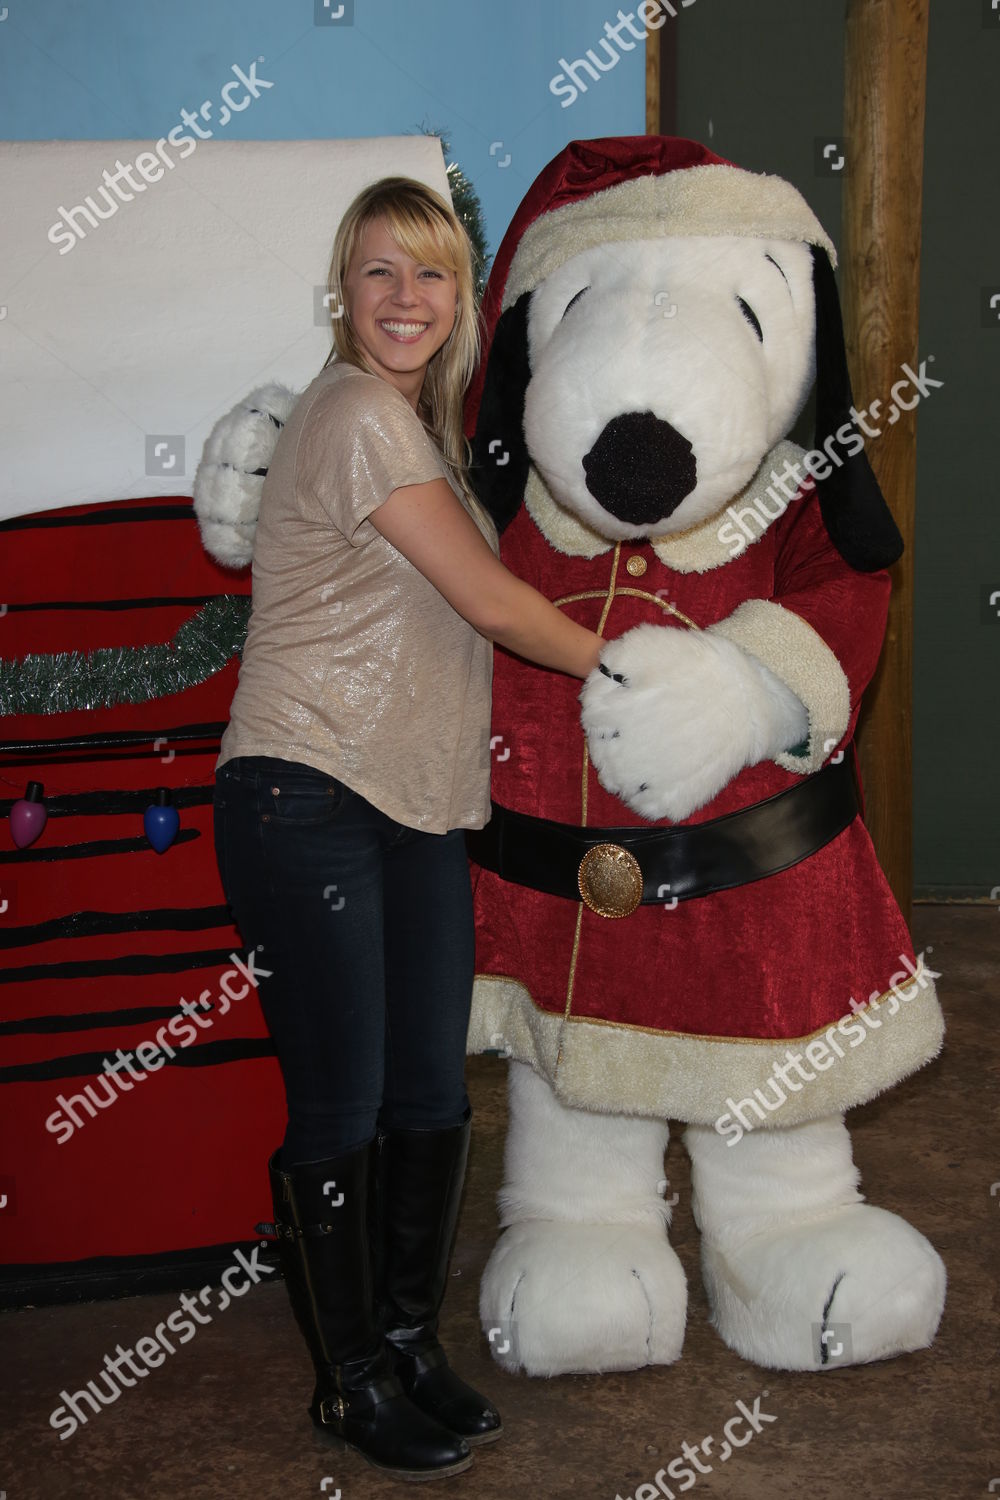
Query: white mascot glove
x=671, y=715
x=230, y=476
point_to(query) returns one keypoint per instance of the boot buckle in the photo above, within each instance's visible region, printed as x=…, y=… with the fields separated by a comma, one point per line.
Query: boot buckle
x=335, y=1404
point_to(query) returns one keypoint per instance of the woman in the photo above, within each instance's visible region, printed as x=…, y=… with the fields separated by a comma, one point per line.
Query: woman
x=357, y=752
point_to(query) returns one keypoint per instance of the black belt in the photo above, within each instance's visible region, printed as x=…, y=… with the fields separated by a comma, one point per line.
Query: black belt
x=614, y=870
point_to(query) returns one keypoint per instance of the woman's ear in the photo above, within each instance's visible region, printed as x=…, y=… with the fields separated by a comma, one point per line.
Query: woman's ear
x=499, y=469
x=855, y=514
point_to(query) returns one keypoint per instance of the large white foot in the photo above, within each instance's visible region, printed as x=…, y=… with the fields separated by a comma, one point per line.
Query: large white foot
x=800, y=1273
x=584, y=1278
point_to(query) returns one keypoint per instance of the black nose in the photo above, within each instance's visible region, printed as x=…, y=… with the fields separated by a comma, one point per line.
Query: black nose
x=640, y=468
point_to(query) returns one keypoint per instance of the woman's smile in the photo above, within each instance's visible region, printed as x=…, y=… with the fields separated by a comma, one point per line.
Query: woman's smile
x=403, y=333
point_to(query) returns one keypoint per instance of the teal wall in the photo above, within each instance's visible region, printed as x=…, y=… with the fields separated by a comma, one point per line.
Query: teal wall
x=760, y=82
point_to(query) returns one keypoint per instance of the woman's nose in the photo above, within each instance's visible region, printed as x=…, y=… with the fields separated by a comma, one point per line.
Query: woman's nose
x=406, y=289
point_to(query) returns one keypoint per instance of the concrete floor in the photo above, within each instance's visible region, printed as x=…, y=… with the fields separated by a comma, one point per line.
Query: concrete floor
x=225, y=1416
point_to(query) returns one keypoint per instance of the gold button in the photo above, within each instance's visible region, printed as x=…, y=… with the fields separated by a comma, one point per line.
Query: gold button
x=636, y=566
x=610, y=880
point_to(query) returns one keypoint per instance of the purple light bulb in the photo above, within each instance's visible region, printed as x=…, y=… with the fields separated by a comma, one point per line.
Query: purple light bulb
x=28, y=815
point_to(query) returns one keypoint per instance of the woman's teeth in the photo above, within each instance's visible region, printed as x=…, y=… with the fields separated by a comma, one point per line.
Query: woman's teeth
x=404, y=330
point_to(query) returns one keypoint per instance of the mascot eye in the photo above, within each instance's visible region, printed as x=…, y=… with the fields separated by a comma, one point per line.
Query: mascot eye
x=579, y=294
x=751, y=318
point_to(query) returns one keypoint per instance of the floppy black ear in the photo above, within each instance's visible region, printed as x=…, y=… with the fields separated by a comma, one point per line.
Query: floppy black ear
x=855, y=514
x=499, y=469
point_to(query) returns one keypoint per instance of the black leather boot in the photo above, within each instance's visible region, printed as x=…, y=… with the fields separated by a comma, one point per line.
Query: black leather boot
x=417, y=1186
x=320, y=1212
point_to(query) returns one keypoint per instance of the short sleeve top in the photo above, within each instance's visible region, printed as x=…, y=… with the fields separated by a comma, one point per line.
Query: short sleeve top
x=354, y=662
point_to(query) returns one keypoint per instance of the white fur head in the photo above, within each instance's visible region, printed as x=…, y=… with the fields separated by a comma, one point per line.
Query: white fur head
x=662, y=372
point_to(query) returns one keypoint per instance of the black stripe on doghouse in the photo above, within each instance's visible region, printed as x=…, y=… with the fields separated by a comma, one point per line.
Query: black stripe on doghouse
x=104, y=517
x=94, y=849
x=91, y=1020
x=210, y=747
x=81, y=924
x=129, y=963
x=163, y=602
x=111, y=739
x=207, y=1055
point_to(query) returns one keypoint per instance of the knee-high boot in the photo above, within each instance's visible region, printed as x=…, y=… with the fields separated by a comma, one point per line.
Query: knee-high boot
x=417, y=1187
x=320, y=1211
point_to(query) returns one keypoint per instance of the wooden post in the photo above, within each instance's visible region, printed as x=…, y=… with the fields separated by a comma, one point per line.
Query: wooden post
x=884, y=86
x=653, y=83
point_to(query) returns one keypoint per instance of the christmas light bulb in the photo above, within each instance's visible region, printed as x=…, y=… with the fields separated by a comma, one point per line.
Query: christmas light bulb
x=161, y=820
x=28, y=815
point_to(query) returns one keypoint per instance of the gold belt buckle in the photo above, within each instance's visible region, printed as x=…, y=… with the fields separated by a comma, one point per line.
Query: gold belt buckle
x=610, y=880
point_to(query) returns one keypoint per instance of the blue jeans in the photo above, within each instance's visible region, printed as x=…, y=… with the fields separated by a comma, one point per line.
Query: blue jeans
x=367, y=928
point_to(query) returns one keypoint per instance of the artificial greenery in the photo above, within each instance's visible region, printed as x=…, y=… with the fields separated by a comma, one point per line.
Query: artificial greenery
x=468, y=209
x=67, y=680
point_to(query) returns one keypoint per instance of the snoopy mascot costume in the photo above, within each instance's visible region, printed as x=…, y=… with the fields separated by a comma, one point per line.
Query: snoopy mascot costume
x=679, y=911
x=680, y=914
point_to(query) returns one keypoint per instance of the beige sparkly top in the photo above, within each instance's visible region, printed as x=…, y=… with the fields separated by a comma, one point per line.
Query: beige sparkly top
x=353, y=662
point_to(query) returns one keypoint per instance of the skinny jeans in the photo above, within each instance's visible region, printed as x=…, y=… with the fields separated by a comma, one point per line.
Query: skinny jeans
x=366, y=926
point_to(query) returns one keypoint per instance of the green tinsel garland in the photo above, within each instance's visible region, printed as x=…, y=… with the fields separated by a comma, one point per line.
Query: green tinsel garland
x=468, y=209
x=67, y=680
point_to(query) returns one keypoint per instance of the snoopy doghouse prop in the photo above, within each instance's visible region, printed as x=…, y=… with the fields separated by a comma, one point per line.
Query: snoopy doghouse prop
x=135, y=1131
x=676, y=895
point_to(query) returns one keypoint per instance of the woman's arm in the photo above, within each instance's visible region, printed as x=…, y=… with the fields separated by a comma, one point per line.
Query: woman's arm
x=428, y=525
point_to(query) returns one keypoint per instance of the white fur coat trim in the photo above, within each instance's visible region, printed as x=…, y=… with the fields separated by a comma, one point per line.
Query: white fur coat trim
x=595, y=1065
x=801, y=659
x=723, y=200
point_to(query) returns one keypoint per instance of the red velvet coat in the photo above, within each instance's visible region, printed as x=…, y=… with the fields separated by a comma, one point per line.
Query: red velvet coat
x=775, y=960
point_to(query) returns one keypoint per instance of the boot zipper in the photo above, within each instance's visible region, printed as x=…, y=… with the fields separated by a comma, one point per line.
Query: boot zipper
x=297, y=1221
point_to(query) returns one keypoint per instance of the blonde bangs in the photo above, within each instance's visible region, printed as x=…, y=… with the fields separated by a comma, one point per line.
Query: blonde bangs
x=428, y=240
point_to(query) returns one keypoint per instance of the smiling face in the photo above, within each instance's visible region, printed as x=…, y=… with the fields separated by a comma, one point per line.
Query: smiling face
x=662, y=371
x=401, y=311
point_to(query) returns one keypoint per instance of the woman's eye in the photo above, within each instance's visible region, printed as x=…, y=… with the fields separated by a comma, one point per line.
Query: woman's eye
x=579, y=294
x=439, y=275
x=751, y=318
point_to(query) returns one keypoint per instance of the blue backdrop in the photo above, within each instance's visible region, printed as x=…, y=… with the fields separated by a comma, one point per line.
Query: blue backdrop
x=478, y=73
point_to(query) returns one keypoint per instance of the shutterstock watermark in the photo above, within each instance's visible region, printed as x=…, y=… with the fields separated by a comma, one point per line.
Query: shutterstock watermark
x=688, y=1464
x=568, y=84
x=67, y=231
x=822, y=1052
x=151, y=1351
x=747, y=522
x=183, y=1027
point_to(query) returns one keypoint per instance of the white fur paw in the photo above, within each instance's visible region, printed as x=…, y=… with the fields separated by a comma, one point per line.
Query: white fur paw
x=672, y=715
x=230, y=475
x=857, y=1285
x=581, y=1298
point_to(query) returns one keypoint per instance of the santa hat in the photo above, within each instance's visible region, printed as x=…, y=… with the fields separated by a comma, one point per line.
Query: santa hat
x=642, y=187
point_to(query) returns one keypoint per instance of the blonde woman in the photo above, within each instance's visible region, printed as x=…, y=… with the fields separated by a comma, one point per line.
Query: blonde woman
x=357, y=753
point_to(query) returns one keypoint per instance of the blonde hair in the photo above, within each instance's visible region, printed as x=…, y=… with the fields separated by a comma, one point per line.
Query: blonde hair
x=425, y=227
